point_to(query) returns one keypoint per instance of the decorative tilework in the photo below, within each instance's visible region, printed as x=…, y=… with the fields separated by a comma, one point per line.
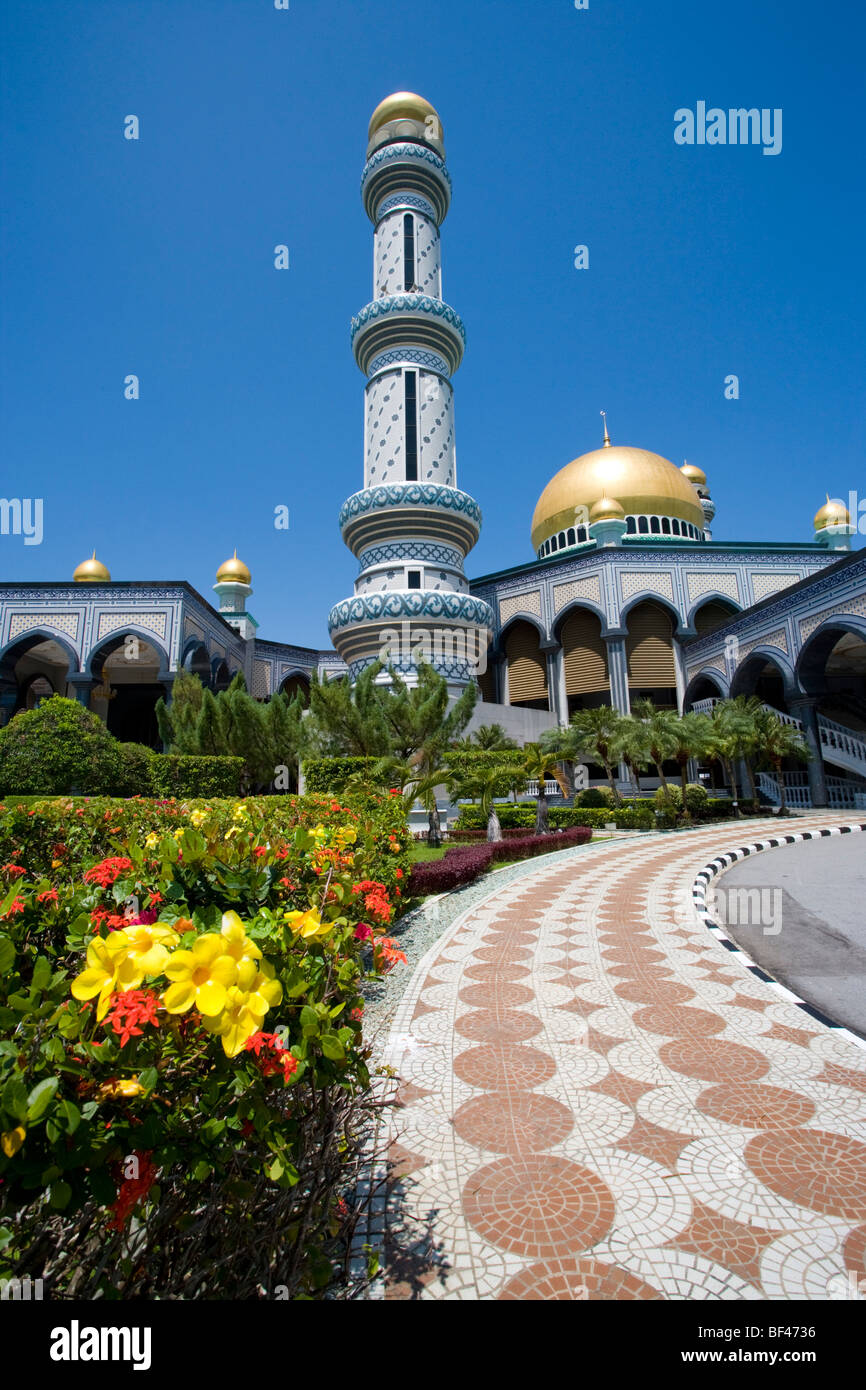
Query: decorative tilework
x=110, y=622
x=410, y=495
x=779, y=639
x=520, y=603
x=584, y=1117
x=67, y=623
x=853, y=605
x=702, y=582
x=261, y=680
x=408, y=304
x=588, y=588
x=449, y=607
x=764, y=585
x=415, y=356
x=637, y=581
x=191, y=629
x=716, y=663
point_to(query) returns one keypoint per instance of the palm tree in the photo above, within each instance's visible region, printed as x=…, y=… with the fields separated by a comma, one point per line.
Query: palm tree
x=694, y=735
x=661, y=735
x=484, y=784
x=490, y=737
x=727, y=730
x=749, y=709
x=540, y=766
x=776, y=742
x=592, y=734
x=417, y=780
x=632, y=746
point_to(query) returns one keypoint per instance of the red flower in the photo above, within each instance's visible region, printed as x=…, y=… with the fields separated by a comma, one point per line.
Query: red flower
x=129, y=1009
x=131, y=1191
x=13, y=870
x=153, y=899
x=271, y=1054
x=17, y=906
x=398, y=873
x=363, y=932
x=260, y=851
x=107, y=871
x=49, y=896
x=386, y=953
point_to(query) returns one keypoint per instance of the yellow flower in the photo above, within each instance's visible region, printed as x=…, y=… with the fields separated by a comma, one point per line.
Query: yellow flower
x=115, y=1089
x=55, y=863
x=11, y=1140
x=240, y=811
x=320, y=832
x=200, y=977
x=197, y=817
x=346, y=835
x=308, y=924
x=235, y=830
x=179, y=833
x=236, y=943
x=238, y=1021
x=257, y=980
x=109, y=969
x=149, y=946
x=152, y=839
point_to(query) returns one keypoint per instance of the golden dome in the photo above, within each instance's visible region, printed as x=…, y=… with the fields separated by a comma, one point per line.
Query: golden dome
x=405, y=106
x=606, y=509
x=91, y=571
x=833, y=513
x=696, y=476
x=644, y=484
x=233, y=571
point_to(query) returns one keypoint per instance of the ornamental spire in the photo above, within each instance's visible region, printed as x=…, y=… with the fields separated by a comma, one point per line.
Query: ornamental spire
x=606, y=442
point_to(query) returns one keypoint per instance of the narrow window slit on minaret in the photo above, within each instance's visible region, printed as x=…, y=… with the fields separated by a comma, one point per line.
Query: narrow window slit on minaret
x=408, y=252
x=411, y=427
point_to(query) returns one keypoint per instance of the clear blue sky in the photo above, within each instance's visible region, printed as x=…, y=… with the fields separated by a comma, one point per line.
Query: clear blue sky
x=156, y=258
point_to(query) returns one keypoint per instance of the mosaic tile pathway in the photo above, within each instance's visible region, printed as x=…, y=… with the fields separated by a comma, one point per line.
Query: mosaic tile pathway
x=598, y=1102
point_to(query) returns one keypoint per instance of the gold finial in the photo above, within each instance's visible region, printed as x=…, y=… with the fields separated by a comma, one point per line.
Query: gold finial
x=606, y=443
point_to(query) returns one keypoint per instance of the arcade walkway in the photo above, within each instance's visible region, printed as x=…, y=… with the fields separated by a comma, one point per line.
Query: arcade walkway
x=598, y=1100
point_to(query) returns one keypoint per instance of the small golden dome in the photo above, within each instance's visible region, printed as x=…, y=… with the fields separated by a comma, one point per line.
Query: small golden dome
x=606, y=509
x=833, y=513
x=696, y=476
x=642, y=482
x=233, y=571
x=405, y=106
x=91, y=571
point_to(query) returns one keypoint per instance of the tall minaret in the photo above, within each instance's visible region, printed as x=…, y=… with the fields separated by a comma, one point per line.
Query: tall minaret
x=410, y=526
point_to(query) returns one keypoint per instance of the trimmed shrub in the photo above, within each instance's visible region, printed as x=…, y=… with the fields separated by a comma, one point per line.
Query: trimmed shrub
x=463, y=864
x=697, y=799
x=322, y=775
x=134, y=770
x=595, y=796
x=56, y=749
x=178, y=774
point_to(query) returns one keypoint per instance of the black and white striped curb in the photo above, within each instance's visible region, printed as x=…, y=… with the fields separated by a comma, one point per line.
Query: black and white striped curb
x=724, y=861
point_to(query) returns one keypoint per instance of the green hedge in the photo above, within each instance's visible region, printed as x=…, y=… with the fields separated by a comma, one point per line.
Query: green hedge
x=174, y=774
x=322, y=775
x=60, y=747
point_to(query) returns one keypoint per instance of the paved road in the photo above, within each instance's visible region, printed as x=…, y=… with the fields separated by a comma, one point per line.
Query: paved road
x=810, y=931
x=598, y=1101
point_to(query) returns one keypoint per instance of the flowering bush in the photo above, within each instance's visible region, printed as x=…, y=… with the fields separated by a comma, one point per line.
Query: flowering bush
x=464, y=863
x=182, y=1064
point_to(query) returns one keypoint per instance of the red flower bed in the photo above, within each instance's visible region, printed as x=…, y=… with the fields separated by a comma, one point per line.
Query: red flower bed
x=464, y=863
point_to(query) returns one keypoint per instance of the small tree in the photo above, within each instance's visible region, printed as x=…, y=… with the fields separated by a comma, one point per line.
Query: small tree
x=694, y=736
x=776, y=742
x=485, y=785
x=632, y=745
x=540, y=766
x=595, y=737
x=58, y=748
x=661, y=735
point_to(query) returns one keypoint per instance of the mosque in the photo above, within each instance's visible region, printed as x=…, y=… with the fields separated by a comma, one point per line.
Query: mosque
x=626, y=593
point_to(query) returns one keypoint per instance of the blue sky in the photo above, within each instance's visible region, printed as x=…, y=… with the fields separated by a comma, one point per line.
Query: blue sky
x=155, y=257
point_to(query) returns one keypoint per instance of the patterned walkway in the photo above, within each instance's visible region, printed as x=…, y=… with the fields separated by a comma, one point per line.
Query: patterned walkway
x=598, y=1102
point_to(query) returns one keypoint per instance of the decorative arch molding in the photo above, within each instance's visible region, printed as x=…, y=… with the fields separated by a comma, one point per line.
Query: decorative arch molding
x=712, y=596
x=620, y=629
x=107, y=645
x=534, y=621
x=22, y=643
x=761, y=656
x=576, y=606
x=820, y=643
x=711, y=677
